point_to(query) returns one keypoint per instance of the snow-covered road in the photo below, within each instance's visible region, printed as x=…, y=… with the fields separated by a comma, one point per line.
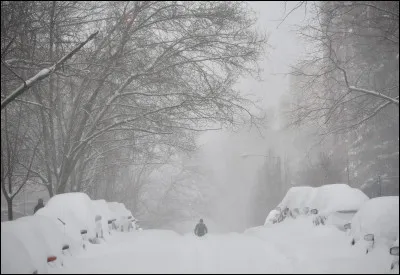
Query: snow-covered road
x=291, y=247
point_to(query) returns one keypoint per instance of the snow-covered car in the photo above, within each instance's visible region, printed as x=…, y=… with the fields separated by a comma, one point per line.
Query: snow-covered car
x=273, y=216
x=123, y=218
x=376, y=221
x=68, y=223
x=394, y=251
x=342, y=219
x=75, y=211
x=330, y=204
x=103, y=225
x=13, y=252
x=337, y=204
x=30, y=244
x=134, y=224
x=294, y=213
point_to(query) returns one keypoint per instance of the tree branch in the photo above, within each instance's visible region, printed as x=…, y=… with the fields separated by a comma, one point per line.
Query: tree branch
x=376, y=94
x=43, y=73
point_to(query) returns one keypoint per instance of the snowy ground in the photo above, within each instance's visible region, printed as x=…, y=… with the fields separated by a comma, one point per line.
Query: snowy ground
x=294, y=246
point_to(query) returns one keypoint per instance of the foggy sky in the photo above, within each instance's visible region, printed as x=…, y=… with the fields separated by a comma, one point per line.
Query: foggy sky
x=221, y=150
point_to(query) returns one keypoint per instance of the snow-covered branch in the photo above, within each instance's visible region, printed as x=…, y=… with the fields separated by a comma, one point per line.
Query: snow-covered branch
x=374, y=93
x=43, y=73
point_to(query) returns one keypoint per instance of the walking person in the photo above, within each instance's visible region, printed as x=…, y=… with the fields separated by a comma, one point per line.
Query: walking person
x=200, y=229
x=39, y=205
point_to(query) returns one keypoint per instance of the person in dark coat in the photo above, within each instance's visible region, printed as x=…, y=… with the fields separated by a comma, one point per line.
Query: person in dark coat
x=38, y=206
x=200, y=229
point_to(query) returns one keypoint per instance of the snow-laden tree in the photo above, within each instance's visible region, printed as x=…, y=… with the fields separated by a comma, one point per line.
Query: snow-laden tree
x=154, y=75
x=351, y=73
x=347, y=87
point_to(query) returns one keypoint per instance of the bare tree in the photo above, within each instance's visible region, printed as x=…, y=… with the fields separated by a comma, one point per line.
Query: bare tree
x=18, y=152
x=352, y=72
x=347, y=88
x=156, y=74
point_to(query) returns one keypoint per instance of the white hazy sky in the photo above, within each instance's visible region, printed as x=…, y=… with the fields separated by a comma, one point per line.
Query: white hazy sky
x=283, y=50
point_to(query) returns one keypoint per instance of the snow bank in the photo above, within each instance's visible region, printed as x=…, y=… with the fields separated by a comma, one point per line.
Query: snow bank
x=320, y=249
x=294, y=247
x=378, y=216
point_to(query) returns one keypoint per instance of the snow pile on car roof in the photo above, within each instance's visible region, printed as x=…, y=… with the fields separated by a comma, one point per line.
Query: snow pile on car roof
x=326, y=199
x=75, y=210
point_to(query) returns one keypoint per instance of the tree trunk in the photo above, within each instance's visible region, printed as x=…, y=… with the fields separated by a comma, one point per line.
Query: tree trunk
x=10, y=209
x=50, y=190
x=63, y=182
